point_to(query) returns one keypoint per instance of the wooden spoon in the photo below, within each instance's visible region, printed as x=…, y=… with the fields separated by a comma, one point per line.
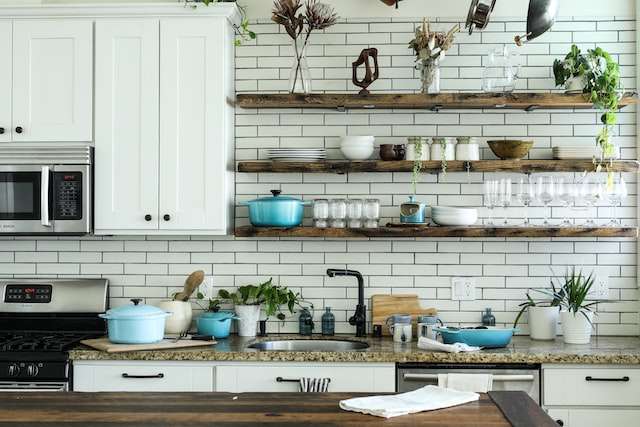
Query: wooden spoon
x=194, y=280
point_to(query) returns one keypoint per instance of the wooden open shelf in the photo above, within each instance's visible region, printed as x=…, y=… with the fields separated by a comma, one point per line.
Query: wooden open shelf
x=442, y=101
x=522, y=166
x=435, y=231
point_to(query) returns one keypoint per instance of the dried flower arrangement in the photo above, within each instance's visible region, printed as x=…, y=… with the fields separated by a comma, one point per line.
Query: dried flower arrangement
x=299, y=26
x=430, y=48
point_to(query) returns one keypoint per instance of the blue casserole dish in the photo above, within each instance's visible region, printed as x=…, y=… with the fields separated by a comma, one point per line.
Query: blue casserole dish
x=482, y=337
x=276, y=211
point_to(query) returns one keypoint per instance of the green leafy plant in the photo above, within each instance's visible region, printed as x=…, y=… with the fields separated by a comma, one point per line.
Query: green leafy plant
x=417, y=162
x=554, y=299
x=574, y=292
x=243, y=32
x=574, y=65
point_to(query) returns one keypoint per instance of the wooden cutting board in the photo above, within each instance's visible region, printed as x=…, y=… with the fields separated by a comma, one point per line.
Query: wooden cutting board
x=383, y=306
x=103, y=344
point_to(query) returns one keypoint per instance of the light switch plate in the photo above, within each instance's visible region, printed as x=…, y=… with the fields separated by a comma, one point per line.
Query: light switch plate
x=463, y=289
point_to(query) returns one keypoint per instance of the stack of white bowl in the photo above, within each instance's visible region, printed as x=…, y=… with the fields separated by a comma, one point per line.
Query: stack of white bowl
x=357, y=147
x=454, y=217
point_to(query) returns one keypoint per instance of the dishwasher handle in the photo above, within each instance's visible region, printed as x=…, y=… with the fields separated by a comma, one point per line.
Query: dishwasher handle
x=499, y=378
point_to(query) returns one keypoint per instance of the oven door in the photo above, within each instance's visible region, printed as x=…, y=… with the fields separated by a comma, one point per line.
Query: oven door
x=25, y=200
x=33, y=387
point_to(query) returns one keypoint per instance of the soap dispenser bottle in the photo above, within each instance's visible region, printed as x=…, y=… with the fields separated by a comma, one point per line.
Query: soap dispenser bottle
x=488, y=319
x=328, y=323
x=305, y=322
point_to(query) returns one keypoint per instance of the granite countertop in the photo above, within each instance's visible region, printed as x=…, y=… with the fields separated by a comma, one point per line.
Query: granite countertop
x=602, y=350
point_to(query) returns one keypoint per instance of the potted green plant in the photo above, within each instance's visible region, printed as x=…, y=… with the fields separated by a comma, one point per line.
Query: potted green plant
x=576, y=315
x=243, y=32
x=572, y=71
x=543, y=314
x=250, y=299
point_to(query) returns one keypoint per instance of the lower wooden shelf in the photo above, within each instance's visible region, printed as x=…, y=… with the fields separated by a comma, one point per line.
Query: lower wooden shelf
x=435, y=231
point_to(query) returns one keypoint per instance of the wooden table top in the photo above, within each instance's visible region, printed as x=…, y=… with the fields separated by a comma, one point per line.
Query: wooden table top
x=221, y=409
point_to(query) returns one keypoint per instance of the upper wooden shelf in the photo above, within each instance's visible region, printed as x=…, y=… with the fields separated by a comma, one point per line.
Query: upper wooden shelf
x=521, y=166
x=442, y=101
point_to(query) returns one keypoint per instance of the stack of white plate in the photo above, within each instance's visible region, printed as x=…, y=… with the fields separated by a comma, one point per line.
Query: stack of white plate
x=577, y=153
x=452, y=217
x=357, y=147
x=297, y=154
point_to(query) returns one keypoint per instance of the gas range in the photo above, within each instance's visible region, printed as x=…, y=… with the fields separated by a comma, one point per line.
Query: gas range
x=40, y=320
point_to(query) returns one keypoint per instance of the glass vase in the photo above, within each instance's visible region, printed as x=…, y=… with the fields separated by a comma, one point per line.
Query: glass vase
x=300, y=75
x=429, y=75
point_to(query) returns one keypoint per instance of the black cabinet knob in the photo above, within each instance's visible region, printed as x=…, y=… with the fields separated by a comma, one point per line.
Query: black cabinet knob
x=167, y=217
x=148, y=218
x=1, y=131
x=19, y=129
x=560, y=422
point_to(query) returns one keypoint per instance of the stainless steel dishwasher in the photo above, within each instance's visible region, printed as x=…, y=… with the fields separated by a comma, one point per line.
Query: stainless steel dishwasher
x=411, y=376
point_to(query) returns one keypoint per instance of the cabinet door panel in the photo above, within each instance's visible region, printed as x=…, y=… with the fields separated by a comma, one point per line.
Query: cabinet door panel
x=6, y=46
x=127, y=121
x=193, y=144
x=53, y=80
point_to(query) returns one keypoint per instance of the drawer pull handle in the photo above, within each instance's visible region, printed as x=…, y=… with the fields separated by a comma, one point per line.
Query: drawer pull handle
x=142, y=377
x=290, y=380
x=618, y=380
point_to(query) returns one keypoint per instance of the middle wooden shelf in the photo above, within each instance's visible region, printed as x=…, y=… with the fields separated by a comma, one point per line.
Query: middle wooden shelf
x=515, y=166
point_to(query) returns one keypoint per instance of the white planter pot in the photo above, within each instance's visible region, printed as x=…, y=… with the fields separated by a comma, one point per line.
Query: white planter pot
x=249, y=316
x=543, y=323
x=575, y=84
x=576, y=328
x=181, y=315
x=412, y=155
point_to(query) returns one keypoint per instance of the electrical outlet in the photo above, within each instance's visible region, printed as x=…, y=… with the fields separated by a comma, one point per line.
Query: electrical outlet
x=463, y=289
x=600, y=289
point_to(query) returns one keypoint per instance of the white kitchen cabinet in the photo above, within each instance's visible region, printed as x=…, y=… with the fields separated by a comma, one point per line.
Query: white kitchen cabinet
x=590, y=396
x=345, y=377
x=127, y=124
x=173, y=140
x=6, y=47
x=52, y=97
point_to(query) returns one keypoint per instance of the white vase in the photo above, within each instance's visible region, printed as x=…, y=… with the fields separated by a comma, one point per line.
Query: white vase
x=181, y=315
x=575, y=84
x=248, y=319
x=412, y=153
x=576, y=328
x=543, y=323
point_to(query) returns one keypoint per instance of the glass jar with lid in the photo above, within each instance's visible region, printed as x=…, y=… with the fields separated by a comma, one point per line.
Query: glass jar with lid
x=467, y=149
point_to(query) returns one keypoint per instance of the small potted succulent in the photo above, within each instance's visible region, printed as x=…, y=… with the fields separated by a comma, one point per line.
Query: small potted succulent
x=576, y=314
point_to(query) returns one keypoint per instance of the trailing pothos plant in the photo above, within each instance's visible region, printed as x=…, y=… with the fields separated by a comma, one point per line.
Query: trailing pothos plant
x=243, y=32
x=602, y=75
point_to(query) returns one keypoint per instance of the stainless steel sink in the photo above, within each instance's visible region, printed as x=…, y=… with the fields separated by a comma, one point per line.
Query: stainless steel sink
x=310, y=345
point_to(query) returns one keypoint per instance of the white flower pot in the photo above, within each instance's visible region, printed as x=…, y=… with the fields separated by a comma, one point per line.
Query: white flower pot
x=576, y=328
x=575, y=84
x=249, y=316
x=543, y=323
x=181, y=315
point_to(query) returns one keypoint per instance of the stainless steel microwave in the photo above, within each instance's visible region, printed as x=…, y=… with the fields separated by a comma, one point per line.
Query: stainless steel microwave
x=46, y=190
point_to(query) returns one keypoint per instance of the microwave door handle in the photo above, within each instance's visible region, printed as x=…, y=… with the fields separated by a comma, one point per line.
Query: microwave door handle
x=44, y=196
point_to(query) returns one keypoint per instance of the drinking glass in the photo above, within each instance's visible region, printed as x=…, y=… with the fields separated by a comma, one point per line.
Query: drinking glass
x=321, y=213
x=491, y=198
x=371, y=213
x=354, y=213
x=591, y=193
x=616, y=194
x=338, y=213
x=545, y=193
x=505, y=198
x=567, y=196
x=526, y=196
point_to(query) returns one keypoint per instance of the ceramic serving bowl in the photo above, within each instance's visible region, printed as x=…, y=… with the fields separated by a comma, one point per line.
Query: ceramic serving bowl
x=510, y=149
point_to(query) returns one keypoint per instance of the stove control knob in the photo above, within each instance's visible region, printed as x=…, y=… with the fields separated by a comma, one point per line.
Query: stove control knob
x=32, y=370
x=14, y=370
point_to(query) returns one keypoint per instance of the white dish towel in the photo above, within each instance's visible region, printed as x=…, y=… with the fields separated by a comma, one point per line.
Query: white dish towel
x=428, y=398
x=478, y=383
x=433, y=345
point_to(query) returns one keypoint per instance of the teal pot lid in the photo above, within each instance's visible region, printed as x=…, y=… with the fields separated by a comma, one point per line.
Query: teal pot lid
x=135, y=311
x=218, y=315
x=276, y=198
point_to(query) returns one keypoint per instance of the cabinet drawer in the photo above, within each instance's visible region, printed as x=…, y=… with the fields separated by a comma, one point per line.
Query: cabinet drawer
x=596, y=417
x=344, y=378
x=592, y=387
x=143, y=377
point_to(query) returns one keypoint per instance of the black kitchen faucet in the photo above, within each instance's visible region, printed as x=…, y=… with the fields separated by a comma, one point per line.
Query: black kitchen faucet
x=359, y=319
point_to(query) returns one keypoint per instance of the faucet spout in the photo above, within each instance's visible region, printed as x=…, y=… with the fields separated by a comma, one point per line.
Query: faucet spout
x=359, y=319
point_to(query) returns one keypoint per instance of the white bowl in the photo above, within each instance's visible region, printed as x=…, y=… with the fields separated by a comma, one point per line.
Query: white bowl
x=454, y=217
x=357, y=152
x=357, y=140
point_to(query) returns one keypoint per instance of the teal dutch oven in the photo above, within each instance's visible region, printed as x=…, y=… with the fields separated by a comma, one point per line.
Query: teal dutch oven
x=276, y=211
x=136, y=324
x=215, y=324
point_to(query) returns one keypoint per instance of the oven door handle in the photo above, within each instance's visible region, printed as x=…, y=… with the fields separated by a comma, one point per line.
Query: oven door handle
x=33, y=387
x=499, y=378
x=44, y=197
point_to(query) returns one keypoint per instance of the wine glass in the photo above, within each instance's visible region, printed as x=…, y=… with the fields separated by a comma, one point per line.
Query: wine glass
x=505, y=198
x=526, y=196
x=545, y=193
x=566, y=195
x=616, y=194
x=491, y=198
x=591, y=193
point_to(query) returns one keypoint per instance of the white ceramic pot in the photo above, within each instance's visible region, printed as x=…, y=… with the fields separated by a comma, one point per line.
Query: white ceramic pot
x=575, y=84
x=181, y=315
x=248, y=319
x=467, y=149
x=412, y=155
x=576, y=328
x=543, y=323
x=449, y=151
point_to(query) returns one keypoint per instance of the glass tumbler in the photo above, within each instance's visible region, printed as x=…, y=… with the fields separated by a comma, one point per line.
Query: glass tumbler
x=338, y=213
x=354, y=213
x=321, y=213
x=371, y=213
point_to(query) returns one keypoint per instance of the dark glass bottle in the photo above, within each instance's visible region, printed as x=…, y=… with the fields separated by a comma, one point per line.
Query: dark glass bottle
x=328, y=322
x=305, y=322
x=488, y=319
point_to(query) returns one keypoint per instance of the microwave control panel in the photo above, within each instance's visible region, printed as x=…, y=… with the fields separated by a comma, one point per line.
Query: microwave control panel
x=68, y=196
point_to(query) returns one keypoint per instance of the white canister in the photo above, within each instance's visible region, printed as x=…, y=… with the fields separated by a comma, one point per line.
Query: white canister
x=181, y=315
x=248, y=319
x=543, y=323
x=412, y=149
x=443, y=149
x=467, y=149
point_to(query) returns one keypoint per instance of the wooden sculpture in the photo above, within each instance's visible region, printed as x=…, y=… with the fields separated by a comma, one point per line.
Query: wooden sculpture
x=370, y=76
